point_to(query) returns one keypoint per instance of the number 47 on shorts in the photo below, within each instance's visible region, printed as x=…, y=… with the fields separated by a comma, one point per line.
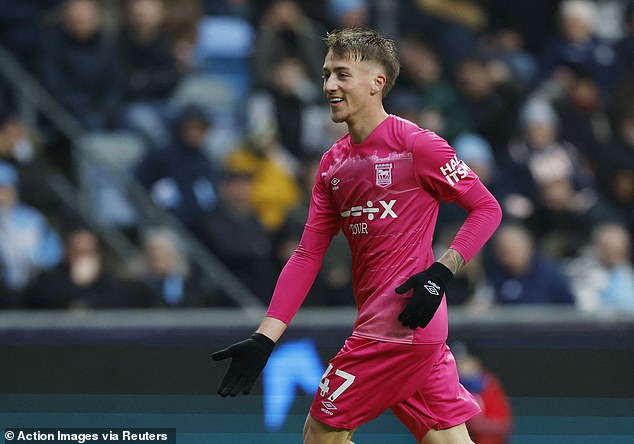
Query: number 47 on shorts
x=324, y=385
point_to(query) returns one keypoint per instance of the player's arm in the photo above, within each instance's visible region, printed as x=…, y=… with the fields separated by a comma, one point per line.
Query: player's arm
x=272, y=328
x=429, y=285
x=484, y=217
x=249, y=357
x=464, y=188
x=452, y=260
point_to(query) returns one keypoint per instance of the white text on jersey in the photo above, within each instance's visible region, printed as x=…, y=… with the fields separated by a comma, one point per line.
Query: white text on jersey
x=370, y=210
x=454, y=170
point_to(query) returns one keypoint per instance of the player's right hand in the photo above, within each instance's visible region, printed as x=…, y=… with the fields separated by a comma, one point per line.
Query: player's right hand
x=248, y=358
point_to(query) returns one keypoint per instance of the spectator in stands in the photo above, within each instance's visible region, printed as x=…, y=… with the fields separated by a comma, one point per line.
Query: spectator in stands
x=616, y=167
x=492, y=102
x=28, y=244
x=79, y=65
x=24, y=148
x=290, y=92
x=509, y=58
x=578, y=47
x=519, y=274
x=452, y=27
x=165, y=272
x=564, y=218
x=422, y=77
x=275, y=188
x=81, y=281
x=538, y=152
x=181, y=178
x=550, y=184
x=181, y=22
x=235, y=235
x=286, y=30
x=18, y=144
x=583, y=119
x=493, y=424
x=603, y=276
x=150, y=70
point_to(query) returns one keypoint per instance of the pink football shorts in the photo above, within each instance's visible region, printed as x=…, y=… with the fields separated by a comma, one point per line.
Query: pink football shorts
x=418, y=382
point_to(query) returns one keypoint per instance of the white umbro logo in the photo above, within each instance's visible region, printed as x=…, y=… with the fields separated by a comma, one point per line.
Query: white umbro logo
x=432, y=288
x=329, y=405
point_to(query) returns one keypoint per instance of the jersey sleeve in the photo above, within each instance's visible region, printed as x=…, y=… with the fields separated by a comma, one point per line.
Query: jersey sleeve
x=298, y=275
x=484, y=218
x=443, y=174
x=323, y=216
x=437, y=167
x=300, y=272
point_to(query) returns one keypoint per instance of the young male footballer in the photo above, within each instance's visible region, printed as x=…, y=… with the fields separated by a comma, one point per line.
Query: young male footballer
x=380, y=184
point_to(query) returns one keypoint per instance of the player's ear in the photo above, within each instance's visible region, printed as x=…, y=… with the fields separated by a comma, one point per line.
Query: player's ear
x=378, y=83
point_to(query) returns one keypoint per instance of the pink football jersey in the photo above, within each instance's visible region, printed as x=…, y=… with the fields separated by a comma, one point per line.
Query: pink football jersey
x=384, y=194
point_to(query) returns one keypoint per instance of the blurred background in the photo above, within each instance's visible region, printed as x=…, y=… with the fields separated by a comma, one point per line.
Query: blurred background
x=156, y=162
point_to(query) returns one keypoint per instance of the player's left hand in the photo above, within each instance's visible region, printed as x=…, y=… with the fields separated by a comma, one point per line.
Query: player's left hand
x=248, y=358
x=428, y=289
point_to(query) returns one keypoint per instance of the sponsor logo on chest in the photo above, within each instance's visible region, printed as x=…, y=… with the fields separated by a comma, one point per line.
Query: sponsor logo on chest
x=370, y=211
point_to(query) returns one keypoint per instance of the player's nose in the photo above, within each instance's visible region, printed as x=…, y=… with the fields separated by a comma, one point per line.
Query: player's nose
x=330, y=84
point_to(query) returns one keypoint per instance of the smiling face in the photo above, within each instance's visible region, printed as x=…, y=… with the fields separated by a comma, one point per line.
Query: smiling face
x=352, y=87
x=360, y=68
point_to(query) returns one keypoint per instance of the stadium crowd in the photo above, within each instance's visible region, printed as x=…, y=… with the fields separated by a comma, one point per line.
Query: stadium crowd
x=224, y=96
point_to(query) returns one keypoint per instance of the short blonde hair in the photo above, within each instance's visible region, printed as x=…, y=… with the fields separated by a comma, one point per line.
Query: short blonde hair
x=362, y=43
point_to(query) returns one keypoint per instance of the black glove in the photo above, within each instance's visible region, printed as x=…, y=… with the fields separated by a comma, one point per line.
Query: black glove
x=248, y=359
x=429, y=287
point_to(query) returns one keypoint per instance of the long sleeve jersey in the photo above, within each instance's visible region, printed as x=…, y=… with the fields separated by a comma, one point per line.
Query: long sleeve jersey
x=384, y=194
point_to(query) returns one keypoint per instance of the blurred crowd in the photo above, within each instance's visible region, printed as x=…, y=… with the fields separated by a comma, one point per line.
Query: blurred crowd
x=224, y=99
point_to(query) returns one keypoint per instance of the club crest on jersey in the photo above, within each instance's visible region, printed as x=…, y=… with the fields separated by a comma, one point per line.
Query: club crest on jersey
x=384, y=174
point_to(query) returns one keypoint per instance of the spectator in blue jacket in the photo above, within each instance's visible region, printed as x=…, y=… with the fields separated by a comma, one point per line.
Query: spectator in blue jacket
x=578, y=47
x=181, y=178
x=519, y=274
x=603, y=276
x=27, y=243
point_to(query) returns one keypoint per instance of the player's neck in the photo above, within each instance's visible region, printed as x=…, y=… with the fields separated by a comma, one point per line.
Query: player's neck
x=360, y=126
